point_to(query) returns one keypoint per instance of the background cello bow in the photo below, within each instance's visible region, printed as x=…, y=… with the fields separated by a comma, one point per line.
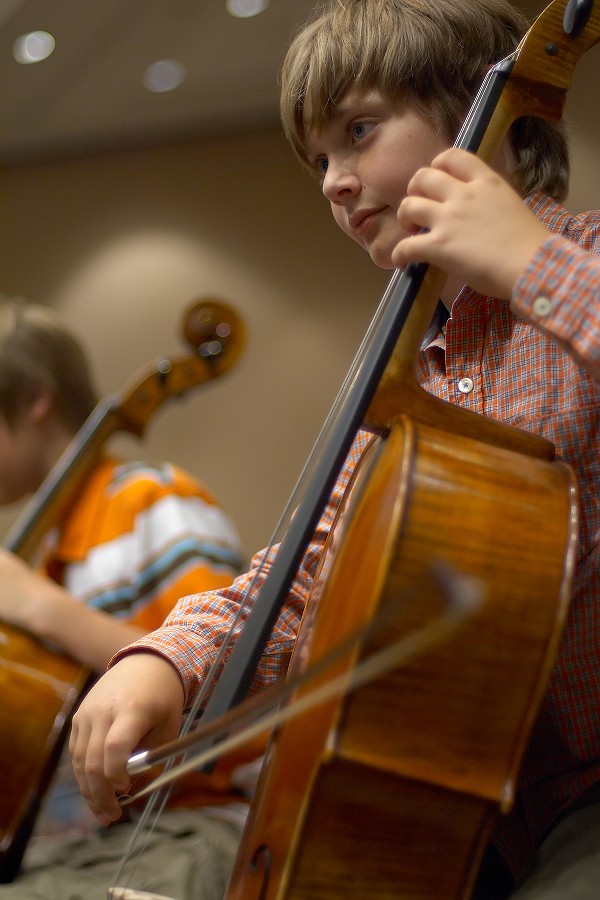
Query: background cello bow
x=41, y=687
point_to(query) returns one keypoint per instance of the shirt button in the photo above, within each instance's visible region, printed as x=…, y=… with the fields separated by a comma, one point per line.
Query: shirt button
x=542, y=306
x=465, y=385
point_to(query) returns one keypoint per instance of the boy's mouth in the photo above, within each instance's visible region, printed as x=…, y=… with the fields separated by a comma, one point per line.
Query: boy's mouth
x=361, y=220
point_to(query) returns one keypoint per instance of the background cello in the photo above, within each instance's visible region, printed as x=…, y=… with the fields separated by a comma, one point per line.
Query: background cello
x=40, y=686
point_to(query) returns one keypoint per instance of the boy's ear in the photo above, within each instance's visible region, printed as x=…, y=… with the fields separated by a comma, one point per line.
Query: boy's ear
x=40, y=405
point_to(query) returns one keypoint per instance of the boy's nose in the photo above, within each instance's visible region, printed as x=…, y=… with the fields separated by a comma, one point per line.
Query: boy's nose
x=340, y=183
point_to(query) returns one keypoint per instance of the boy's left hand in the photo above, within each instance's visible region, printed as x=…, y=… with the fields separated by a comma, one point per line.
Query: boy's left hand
x=478, y=228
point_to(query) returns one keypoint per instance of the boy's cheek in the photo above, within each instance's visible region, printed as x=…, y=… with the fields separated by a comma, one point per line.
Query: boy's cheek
x=341, y=220
x=340, y=217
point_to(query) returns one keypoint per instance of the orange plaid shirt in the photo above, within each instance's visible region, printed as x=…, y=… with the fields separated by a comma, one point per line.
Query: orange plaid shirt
x=520, y=375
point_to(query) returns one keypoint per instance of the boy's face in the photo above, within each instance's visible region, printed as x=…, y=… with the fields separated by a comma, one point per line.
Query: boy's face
x=366, y=156
x=21, y=455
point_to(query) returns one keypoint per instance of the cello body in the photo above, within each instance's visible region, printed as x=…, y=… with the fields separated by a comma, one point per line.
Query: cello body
x=40, y=689
x=391, y=791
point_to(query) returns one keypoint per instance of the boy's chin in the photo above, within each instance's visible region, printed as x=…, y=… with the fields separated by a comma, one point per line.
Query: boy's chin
x=382, y=255
x=382, y=260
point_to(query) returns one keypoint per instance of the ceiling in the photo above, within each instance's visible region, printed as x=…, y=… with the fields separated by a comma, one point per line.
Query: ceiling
x=89, y=97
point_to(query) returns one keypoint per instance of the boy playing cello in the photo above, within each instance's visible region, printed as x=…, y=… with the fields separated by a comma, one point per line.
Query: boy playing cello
x=372, y=91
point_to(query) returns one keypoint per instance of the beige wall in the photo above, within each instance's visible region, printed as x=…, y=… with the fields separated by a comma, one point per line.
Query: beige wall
x=583, y=122
x=122, y=244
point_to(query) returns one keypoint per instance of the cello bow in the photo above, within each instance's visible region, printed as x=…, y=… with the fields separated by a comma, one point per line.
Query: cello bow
x=40, y=686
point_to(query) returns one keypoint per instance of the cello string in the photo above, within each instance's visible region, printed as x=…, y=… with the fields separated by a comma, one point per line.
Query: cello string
x=294, y=499
x=298, y=490
x=466, y=134
x=128, y=857
x=333, y=416
x=350, y=414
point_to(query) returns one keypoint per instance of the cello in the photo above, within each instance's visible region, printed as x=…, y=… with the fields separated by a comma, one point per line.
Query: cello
x=392, y=791
x=40, y=686
x=416, y=754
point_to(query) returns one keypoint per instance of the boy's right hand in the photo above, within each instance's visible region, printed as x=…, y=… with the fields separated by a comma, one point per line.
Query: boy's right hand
x=137, y=704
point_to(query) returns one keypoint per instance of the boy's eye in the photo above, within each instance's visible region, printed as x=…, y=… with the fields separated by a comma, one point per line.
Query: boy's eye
x=360, y=130
x=321, y=165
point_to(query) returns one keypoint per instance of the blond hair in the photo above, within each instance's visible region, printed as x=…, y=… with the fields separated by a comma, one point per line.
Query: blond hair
x=37, y=351
x=431, y=53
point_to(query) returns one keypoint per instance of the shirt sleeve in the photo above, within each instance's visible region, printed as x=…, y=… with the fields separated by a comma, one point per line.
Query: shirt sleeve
x=559, y=292
x=193, y=634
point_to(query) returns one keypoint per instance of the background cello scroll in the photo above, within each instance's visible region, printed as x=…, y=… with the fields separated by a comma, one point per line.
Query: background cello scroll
x=41, y=687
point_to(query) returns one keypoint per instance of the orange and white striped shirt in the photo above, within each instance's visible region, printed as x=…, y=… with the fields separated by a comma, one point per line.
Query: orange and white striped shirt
x=137, y=538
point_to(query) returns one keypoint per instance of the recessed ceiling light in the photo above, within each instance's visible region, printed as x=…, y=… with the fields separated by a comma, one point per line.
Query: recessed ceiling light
x=243, y=9
x=164, y=75
x=33, y=47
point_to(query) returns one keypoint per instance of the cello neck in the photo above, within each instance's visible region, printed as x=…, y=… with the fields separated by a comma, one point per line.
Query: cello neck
x=57, y=491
